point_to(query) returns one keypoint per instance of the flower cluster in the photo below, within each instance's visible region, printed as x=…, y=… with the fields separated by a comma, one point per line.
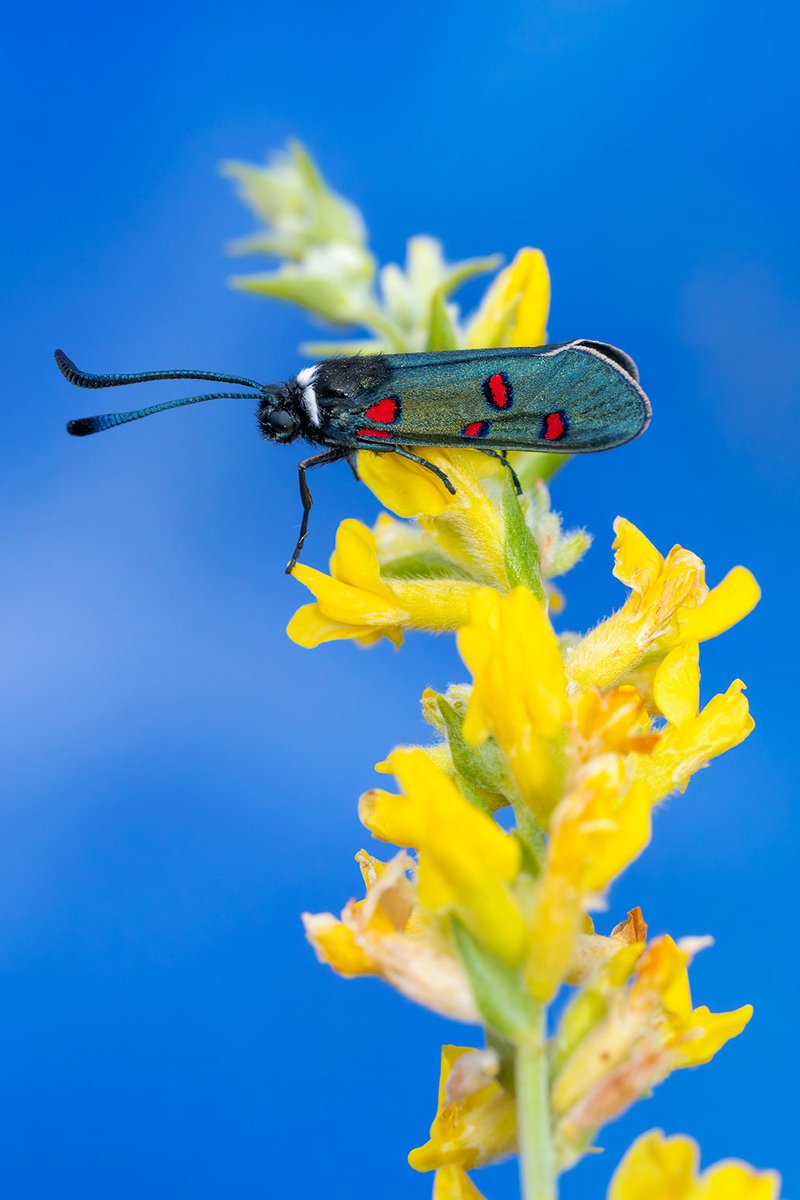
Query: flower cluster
x=656, y=1166
x=579, y=737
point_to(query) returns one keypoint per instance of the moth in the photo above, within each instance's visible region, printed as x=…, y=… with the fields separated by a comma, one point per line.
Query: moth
x=573, y=397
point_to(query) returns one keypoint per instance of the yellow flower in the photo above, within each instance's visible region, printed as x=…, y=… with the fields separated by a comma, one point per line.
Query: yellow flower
x=515, y=307
x=469, y=1130
x=644, y=1029
x=661, y=988
x=669, y=605
x=661, y=1168
x=519, y=693
x=468, y=525
x=355, y=602
x=596, y=830
x=615, y=721
x=600, y=827
x=466, y=861
x=692, y=737
x=390, y=935
x=593, y=950
x=451, y=1183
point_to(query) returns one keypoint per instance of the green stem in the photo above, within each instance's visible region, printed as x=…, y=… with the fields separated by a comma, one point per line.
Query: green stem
x=537, y=1164
x=531, y=834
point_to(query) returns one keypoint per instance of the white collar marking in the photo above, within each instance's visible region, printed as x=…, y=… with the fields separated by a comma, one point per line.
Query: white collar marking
x=308, y=397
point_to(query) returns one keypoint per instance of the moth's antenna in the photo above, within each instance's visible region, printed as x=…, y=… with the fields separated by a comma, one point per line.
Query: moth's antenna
x=85, y=379
x=86, y=425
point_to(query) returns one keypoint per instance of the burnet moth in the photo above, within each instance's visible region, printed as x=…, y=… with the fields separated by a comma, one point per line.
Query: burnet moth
x=573, y=397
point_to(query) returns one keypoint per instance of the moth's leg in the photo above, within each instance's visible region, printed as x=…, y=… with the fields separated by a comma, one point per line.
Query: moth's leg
x=319, y=460
x=352, y=462
x=423, y=462
x=501, y=457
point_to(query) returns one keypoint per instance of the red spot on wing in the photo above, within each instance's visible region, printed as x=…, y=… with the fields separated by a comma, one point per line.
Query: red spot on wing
x=476, y=429
x=374, y=433
x=554, y=426
x=384, y=411
x=497, y=390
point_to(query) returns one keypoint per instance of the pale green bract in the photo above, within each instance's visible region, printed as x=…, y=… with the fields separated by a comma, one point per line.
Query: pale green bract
x=328, y=269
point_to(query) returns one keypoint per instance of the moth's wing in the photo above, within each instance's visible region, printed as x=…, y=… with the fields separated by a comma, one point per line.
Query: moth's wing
x=573, y=398
x=575, y=401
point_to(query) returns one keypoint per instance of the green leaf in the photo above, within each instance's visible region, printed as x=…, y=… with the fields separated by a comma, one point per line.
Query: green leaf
x=299, y=209
x=503, y=1003
x=426, y=564
x=522, y=560
x=258, y=243
x=331, y=299
x=459, y=273
x=481, y=767
x=569, y=550
x=531, y=839
x=443, y=332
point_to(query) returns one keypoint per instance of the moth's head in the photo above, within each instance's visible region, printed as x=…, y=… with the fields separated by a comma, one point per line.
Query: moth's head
x=278, y=418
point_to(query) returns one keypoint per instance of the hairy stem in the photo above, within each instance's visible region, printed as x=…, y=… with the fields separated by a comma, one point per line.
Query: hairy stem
x=537, y=1165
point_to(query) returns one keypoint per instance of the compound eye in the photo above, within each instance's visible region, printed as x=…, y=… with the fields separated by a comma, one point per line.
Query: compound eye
x=282, y=422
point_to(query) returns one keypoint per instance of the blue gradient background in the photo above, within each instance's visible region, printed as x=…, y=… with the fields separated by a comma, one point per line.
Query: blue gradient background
x=179, y=780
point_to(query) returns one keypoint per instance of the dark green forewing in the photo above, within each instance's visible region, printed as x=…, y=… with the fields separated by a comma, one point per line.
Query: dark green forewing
x=575, y=397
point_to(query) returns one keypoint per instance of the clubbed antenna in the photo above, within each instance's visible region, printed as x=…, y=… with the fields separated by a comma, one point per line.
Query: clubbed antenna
x=83, y=426
x=87, y=380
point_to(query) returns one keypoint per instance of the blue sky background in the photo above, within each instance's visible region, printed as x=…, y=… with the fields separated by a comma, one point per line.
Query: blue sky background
x=180, y=780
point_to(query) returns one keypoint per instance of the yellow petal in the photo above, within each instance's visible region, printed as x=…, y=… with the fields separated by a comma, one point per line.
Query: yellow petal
x=724, y=606
x=660, y=1168
x=676, y=687
x=466, y=860
x=596, y=831
x=336, y=945
x=632, y=833
x=355, y=559
x=472, y=1132
x=309, y=627
x=341, y=602
x=737, y=1181
x=390, y=935
x=406, y=488
x=446, y=817
x=520, y=691
x=725, y=721
x=656, y=1168
x=706, y=1033
x=554, y=927
x=451, y=1183
x=662, y=979
x=530, y=324
x=600, y=827
x=637, y=563
x=684, y=749
x=389, y=818
x=514, y=309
